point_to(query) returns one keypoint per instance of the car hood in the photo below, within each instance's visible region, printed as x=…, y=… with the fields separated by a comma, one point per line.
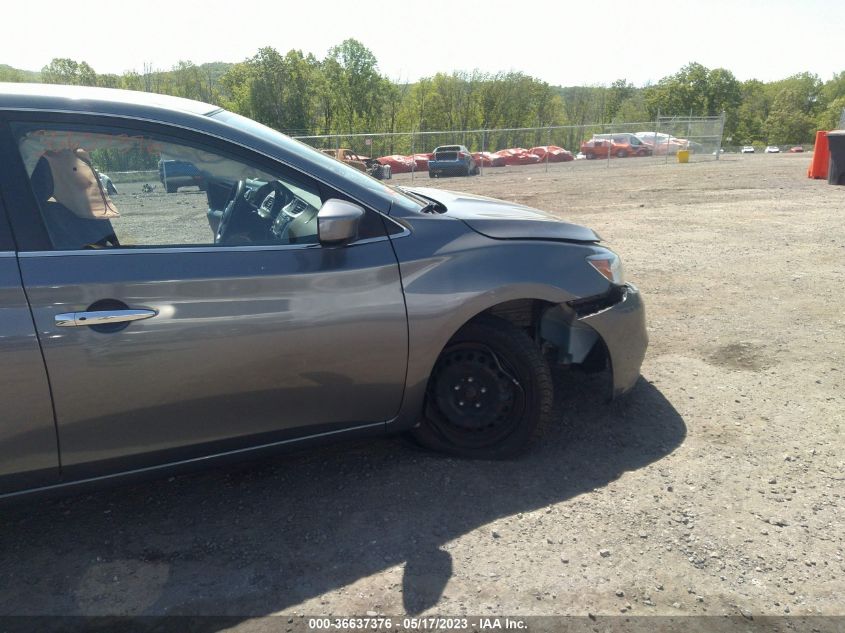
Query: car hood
x=506, y=220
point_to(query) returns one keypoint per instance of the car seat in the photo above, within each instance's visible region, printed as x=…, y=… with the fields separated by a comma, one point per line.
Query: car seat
x=67, y=230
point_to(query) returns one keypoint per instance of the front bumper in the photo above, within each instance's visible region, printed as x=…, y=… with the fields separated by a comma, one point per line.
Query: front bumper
x=622, y=327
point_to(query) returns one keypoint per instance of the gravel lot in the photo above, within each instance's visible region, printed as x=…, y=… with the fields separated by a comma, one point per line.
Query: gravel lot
x=715, y=487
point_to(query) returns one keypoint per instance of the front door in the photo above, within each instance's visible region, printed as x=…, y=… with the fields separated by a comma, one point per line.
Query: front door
x=244, y=329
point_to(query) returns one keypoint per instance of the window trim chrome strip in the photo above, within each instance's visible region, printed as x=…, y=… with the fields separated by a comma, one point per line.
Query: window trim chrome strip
x=165, y=250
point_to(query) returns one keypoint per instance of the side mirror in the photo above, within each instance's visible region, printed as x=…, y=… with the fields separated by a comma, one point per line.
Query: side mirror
x=337, y=222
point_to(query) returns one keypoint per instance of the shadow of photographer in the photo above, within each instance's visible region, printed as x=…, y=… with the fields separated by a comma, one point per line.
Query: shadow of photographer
x=261, y=538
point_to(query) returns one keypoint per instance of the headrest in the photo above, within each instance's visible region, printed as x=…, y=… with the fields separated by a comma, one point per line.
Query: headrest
x=76, y=184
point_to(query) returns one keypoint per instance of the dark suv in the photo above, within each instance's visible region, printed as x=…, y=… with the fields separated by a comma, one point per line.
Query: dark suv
x=179, y=173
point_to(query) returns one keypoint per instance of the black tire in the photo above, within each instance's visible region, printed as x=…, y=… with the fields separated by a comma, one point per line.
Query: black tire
x=431, y=174
x=590, y=156
x=476, y=170
x=622, y=153
x=497, y=372
x=171, y=188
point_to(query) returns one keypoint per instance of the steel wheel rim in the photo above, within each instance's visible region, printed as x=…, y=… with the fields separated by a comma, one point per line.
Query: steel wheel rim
x=476, y=398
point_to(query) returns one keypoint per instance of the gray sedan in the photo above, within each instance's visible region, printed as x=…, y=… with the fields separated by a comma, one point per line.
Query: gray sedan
x=290, y=299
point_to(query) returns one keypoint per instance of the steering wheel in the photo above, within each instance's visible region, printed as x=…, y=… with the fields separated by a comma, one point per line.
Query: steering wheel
x=271, y=198
x=229, y=211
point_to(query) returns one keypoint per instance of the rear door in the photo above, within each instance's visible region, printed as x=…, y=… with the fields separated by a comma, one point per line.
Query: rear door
x=28, y=452
x=263, y=338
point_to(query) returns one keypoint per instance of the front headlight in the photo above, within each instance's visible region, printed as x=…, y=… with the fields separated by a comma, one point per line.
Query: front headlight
x=609, y=266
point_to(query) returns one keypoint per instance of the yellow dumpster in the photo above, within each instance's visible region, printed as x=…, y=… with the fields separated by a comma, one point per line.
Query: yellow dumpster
x=683, y=155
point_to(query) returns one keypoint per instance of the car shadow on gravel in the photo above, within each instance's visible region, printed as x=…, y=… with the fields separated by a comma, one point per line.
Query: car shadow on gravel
x=263, y=537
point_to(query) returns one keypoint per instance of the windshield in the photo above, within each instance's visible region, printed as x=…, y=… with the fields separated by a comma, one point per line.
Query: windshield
x=349, y=173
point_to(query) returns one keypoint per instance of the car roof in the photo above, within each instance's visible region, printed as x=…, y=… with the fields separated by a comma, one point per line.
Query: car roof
x=96, y=100
x=197, y=116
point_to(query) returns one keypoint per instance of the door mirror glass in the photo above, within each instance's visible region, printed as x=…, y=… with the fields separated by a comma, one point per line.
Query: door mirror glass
x=338, y=221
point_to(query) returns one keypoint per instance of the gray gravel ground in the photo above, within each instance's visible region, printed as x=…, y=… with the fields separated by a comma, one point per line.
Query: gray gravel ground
x=714, y=488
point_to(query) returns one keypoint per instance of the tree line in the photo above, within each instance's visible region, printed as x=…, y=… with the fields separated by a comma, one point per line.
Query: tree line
x=345, y=92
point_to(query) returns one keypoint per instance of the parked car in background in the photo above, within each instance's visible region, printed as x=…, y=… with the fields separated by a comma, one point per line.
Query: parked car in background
x=772, y=149
x=617, y=145
x=663, y=144
x=454, y=160
x=518, y=156
x=174, y=174
x=747, y=149
x=321, y=303
x=368, y=165
x=626, y=144
x=552, y=154
x=796, y=150
x=488, y=159
x=398, y=163
x=421, y=161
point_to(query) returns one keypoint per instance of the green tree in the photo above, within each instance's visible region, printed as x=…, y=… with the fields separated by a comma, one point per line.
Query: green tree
x=619, y=92
x=360, y=91
x=832, y=102
x=788, y=122
x=7, y=73
x=274, y=89
x=755, y=103
x=63, y=70
x=685, y=92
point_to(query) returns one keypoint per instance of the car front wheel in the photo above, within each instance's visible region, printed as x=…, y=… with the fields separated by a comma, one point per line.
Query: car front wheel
x=489, y=395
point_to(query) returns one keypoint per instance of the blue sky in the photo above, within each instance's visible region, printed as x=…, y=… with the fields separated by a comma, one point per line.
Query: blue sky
x=562, y=42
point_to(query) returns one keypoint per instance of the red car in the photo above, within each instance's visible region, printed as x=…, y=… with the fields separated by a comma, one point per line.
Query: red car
x=398, y=164
x=518, y=156
x=598, y=148
x=488, y=159
x=421, y=161
x=796, y=149
x=555, y=154
x=620, y=146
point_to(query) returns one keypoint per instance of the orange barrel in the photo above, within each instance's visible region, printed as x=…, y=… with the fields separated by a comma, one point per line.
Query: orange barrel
x=821, y=157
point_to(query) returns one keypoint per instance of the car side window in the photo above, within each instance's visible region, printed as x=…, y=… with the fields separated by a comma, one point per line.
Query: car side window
x=115, y=188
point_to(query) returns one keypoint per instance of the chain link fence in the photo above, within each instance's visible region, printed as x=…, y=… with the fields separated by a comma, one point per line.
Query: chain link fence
x=649, y=143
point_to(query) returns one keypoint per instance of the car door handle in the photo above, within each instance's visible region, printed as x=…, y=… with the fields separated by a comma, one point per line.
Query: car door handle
x=102, y=317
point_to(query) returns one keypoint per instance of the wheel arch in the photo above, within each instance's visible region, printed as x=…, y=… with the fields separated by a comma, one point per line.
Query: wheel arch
x=521, y=306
